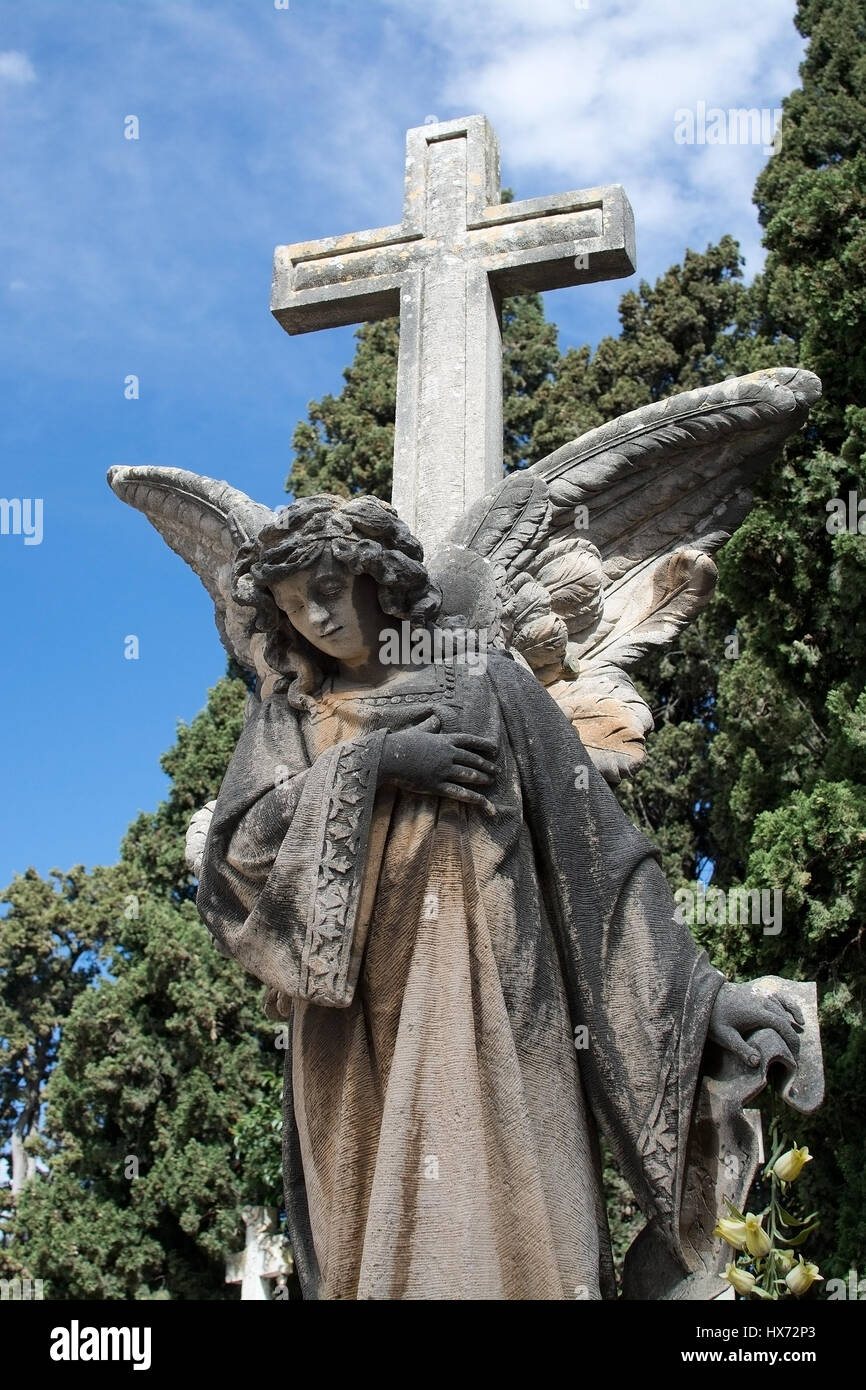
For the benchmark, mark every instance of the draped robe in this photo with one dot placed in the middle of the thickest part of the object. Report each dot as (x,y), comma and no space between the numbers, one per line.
(472,997)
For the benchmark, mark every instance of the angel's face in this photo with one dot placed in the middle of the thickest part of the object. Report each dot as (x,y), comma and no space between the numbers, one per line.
(337,611)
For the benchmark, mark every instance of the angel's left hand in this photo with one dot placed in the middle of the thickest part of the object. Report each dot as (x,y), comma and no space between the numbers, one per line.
(740,1010)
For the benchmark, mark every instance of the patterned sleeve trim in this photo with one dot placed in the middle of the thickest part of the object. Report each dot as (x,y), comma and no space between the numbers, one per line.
(663,1140)
(329,963)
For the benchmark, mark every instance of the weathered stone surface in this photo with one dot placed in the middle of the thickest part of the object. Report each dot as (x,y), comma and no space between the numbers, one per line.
(604,548)
(468,937)
(726,1149)
(444,269)
(264,1257)
(478,954)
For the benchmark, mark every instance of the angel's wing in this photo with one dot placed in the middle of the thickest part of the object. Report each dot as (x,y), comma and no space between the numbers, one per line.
(602,549)
(205,522)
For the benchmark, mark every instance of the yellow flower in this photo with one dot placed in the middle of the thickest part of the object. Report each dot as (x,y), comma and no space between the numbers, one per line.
(791,1164)
(802,1277)
(757,1241)
(740,1279)
(785,1260)
(734,1232)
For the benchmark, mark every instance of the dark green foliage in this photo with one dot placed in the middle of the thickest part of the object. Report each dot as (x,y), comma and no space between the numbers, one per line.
(196,764)
(162,1073)
(671,340)
(811,200)
(347,443)
(157,1067)
(787,766)
(51,941)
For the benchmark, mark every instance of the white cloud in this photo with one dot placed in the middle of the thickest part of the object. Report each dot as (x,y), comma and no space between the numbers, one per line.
(260,127)
(580,97)
(16,68)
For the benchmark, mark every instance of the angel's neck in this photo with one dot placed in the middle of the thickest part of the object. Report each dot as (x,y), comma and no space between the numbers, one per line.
(373,673)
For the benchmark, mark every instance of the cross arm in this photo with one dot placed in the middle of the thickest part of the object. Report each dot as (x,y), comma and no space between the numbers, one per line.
(339,280)
(533,245)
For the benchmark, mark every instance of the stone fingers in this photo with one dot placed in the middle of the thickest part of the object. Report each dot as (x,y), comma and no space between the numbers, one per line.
(476,743)
(730,1039)
(776,1016)
(458,793)
(466,759)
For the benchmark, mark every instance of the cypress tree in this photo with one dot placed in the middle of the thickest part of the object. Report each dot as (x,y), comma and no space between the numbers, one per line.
(147,1061)
(788,760)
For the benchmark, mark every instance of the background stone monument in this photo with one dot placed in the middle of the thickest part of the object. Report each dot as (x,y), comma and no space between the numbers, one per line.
(263,1258)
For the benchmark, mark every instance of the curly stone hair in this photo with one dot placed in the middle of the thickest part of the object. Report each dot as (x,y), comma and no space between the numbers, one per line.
(363,534)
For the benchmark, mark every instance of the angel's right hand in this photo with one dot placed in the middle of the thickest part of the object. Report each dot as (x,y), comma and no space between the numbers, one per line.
(425,760)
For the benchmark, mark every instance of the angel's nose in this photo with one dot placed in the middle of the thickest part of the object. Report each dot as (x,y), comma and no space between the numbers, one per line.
(318,616)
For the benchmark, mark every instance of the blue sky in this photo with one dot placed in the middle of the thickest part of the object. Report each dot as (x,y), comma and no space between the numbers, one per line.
(259,126)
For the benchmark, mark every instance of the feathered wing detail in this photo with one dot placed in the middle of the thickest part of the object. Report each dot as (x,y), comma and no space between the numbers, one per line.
(602,703)
(205,522)
(602,550)
(611,718)
(507,523)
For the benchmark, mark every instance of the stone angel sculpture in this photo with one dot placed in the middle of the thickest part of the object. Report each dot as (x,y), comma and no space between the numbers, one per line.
(422,860)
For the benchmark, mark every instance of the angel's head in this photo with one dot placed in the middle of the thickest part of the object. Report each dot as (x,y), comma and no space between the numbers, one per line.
(325,578)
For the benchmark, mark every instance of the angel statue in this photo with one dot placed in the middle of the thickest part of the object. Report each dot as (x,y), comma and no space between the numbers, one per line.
(419,855)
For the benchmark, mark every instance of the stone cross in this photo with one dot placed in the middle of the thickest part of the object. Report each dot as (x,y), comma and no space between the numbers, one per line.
(445,269)
(263,1256)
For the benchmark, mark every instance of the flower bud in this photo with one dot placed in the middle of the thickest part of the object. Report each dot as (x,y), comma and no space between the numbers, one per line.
(802,1277)
(734,1232)
(739,1279)
(757,1240)
(791,1164)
